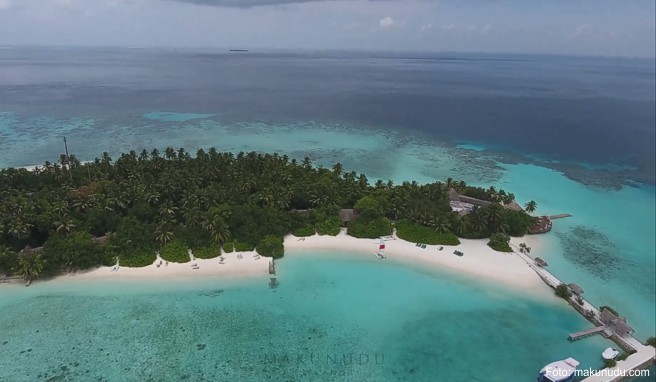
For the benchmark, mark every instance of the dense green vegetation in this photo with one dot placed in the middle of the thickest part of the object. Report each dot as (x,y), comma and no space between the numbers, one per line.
(499,242)
(563,291)
(173,201)
(417,233)
(651,341)
(271,246)
(174,251)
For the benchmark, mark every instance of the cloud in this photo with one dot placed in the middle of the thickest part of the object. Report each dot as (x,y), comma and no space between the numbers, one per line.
(386,23)
(583,29)
(426,27)
(5,4)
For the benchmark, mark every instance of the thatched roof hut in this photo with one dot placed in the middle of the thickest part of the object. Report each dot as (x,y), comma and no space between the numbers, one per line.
(540,262)
(620,327)
(453,195)
(607,316)
(474,201)
(513,206)
(347,214)
(99,240)
(575,289)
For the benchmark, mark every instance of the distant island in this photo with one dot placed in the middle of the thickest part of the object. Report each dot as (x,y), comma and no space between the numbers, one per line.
(239,50)
(68,215)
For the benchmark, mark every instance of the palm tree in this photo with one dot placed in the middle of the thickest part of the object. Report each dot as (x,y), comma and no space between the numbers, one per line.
(479,222)
(523,248)
(441,225)
(30,266)
(163,233)
(64,225)
(531,206)
(460,224)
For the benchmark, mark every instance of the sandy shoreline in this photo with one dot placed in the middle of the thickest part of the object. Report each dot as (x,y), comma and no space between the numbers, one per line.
(479,262)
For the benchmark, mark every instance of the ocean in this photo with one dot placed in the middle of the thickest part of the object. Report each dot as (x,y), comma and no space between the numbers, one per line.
(333,317)
(575,134)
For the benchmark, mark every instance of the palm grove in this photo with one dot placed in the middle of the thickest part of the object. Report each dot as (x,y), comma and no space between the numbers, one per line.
(172,201)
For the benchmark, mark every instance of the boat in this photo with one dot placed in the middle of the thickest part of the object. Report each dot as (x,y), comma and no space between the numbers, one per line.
(610,353)
(379,255)
(559,371)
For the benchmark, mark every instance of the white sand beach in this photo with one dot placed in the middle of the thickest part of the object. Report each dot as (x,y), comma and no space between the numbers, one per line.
(479,261)
(232,266)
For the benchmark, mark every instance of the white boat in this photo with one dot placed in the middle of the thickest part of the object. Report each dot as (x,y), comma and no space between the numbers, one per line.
(379,255)
(559,371)
(610,353)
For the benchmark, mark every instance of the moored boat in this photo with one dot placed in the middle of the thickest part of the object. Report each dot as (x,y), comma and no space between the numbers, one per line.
(559,371)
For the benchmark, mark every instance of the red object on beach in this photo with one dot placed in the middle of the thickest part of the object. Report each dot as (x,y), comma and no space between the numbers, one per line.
(382,246)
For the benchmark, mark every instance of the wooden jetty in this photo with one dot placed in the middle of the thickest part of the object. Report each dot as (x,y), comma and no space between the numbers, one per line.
(586,333)
(559,216)
(272,267)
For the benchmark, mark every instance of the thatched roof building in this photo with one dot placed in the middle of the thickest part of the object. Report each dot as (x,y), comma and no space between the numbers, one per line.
(575,289)
(514,206)
(616,325)
(347,214)
(607,316)
(99,240)
(453,195)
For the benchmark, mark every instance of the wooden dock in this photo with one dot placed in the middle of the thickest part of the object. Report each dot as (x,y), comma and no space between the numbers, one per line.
(272,267)
(559,216)
(586,333)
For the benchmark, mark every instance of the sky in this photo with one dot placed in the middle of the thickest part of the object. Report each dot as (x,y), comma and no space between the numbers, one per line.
(581,27)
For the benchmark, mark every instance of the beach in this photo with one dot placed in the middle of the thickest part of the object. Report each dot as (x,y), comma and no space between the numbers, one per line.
(479,262)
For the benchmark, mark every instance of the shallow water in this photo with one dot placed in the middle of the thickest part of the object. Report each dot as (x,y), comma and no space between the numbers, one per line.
(482,119)
(332,317)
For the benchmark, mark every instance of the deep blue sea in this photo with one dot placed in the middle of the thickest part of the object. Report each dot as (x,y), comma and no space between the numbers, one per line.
(576,134)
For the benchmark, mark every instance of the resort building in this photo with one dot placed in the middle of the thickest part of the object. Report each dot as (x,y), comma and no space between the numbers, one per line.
(614,324)
(465,204)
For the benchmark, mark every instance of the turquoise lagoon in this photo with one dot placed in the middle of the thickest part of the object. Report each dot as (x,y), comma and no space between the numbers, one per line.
(334,316)
(607,246)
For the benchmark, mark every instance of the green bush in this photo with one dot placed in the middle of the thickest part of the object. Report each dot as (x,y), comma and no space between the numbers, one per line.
(229,247)
(271,246)
(243,247)
(137,259)
(368,228)
(207,252)
(330,226)
(651,341)
(499,242)
(608,363)
(76,251)
(563,291)
(304,231)
(622,356)
(174,251)
(417,233)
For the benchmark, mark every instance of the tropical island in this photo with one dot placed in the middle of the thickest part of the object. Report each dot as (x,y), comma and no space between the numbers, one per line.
(69,216)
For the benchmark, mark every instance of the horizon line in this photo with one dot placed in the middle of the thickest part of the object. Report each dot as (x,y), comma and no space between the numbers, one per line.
(253,49)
